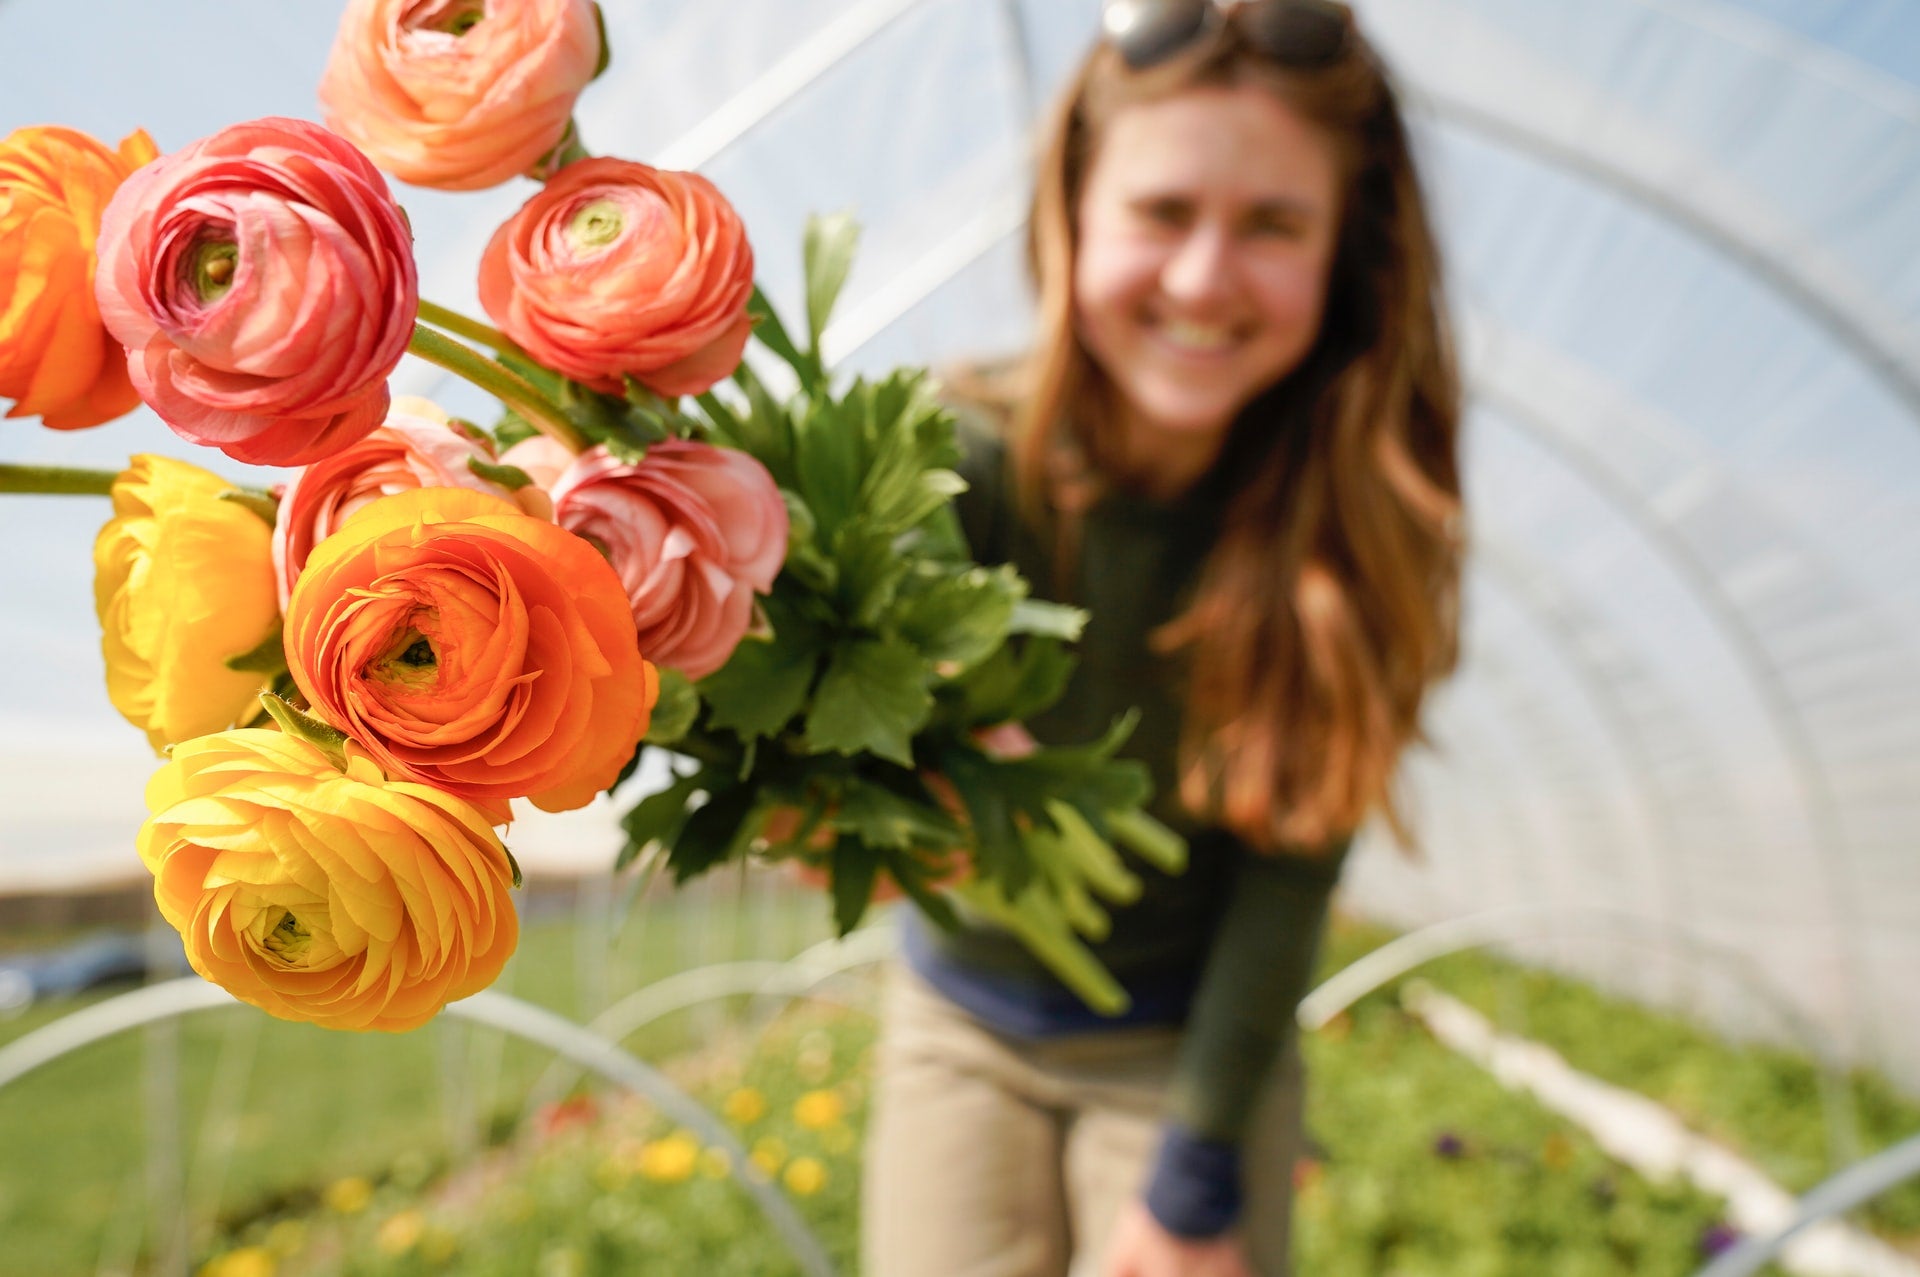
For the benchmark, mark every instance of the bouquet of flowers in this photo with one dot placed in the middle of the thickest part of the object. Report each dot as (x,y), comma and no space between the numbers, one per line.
(352,675)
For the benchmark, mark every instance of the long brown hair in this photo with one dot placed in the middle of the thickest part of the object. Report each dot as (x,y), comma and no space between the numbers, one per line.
(1330,602)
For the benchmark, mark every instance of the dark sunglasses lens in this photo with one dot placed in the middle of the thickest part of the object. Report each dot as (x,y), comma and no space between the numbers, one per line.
(1149,31)
(1302,33)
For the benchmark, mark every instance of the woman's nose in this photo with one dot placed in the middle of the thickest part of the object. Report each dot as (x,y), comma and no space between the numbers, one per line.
(1201,267)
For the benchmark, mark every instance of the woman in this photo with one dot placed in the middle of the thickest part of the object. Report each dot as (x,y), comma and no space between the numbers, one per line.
(1235,443)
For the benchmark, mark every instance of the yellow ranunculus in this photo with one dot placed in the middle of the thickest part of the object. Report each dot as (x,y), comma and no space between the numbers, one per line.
(337,897)
(182,581)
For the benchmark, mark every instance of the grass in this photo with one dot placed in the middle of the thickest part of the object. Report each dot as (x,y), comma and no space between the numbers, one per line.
(341,1146)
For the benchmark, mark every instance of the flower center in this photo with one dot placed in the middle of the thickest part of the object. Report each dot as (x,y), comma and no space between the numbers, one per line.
(448,17)
(287,939)
(214,263)
(411,659)
(595,226)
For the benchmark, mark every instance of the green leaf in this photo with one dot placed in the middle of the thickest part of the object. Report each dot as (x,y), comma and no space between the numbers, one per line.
(960,618)
(674,713)
(914,879)
(830,465)
(762,685)
(872,699)
(512,478)
(882,818)
(262,503)
(1054,620)
(870,571)
(511,429)
(773,335)
(827,251)
(809,565)
(269,657)
(605,59)
(513,865)
(853,868)
(719,831)
(1016,682)
(658,817)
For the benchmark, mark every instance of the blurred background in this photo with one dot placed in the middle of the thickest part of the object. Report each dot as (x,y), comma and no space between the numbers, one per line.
(1672,799)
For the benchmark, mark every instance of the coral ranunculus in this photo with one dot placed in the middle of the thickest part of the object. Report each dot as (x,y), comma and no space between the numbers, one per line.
(333,896)
(473,647)
(262,280)
(419,446)
(182,581)
(57,360)
(619,270)
(694,532)
(457,94)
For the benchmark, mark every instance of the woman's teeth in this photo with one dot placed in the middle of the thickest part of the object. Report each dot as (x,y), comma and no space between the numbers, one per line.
(1197,336)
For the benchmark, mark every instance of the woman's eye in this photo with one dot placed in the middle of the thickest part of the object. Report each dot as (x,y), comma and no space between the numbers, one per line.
(1167,214)
(1275,224)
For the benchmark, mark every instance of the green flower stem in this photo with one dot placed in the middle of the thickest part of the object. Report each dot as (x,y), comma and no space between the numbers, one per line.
(463,326)
(506,385)
(57,480)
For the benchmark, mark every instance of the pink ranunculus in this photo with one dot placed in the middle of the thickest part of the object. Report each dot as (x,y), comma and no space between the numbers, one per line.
(262,281)
(619,270)
(458,94)
(418,446)
(693,531)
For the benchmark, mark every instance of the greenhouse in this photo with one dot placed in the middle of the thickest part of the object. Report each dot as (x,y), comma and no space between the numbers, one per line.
(1647,985)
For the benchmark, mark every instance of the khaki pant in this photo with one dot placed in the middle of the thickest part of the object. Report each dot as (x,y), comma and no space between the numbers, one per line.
(991,1156)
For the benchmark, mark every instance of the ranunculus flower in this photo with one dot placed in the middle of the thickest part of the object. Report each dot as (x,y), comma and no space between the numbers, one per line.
(473,647)
(419,446)
(693,530)
(458,94)
(182,581)
(262,281)
(619,270)
(333,896)
(57,360)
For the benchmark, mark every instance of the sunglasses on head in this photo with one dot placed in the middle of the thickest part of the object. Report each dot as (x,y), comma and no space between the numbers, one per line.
(1294,33)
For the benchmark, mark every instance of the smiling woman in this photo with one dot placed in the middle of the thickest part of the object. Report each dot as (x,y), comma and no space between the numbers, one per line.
(1234,443)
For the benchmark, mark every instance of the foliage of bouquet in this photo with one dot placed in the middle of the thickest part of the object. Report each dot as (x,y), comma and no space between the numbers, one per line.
(352,675)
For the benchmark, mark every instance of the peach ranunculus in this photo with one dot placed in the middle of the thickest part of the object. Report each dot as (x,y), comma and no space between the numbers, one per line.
(459,94)
(183,581)
(693,530)
(262,280)
(472,647)
(619,270)
(57,360)
(320,890)
(419,446)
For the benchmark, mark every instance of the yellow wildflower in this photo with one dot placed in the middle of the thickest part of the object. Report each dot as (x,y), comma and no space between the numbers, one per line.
(400,1232)
(769,1154)
(805,1176)
(819,1109)
(671,1159)
(744,1106)
(348,1196)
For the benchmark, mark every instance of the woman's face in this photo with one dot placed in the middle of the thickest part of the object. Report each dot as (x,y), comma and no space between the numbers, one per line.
(1206,234)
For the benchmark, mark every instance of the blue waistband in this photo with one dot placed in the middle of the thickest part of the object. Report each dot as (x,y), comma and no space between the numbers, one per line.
(1024,1007)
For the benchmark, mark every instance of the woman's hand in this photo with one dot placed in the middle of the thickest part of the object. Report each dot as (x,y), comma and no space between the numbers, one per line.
(1140,1247)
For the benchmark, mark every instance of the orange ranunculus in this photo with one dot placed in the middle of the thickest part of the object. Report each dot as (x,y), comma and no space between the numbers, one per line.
(620,270)
(57,360)
(473,647)
(325,892)
(455,94)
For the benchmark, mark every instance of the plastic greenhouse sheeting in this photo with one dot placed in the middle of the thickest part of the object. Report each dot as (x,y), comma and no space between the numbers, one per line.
(1684,244)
